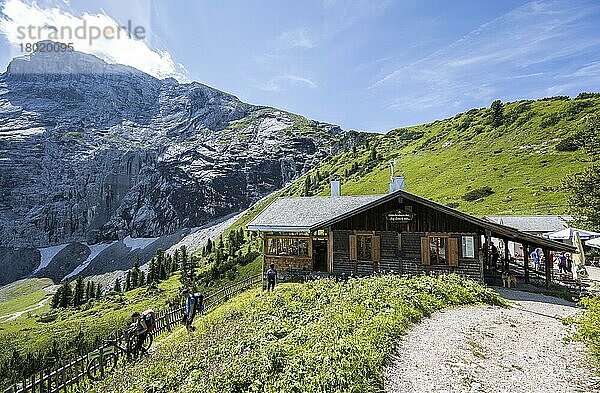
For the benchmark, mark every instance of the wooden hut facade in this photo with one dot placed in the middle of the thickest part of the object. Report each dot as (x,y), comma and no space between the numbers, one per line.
(398,232)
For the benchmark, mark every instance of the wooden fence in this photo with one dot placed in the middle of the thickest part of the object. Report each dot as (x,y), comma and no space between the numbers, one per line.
(70,376)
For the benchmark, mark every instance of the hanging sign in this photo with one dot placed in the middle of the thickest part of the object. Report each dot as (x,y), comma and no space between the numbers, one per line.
(399,217)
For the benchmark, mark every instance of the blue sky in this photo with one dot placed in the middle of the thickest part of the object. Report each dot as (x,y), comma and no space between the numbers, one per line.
(366,65)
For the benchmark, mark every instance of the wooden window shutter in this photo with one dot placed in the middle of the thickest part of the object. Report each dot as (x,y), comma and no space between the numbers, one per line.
(425,259)
(453,252)
(376,248)
(353,250)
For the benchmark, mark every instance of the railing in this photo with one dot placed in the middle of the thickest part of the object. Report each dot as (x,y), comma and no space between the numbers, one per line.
(68,376)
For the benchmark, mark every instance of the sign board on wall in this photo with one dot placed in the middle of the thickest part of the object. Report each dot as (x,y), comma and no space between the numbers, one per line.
(399,217)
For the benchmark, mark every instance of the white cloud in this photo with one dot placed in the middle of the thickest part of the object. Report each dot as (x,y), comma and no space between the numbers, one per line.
(299,38)
(17,15)
(277,83)
(520,53)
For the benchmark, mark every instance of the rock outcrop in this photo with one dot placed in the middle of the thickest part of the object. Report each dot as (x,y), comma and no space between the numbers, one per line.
(92,152)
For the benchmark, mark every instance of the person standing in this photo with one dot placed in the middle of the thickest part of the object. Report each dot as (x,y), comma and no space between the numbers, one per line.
(271,277)
(190,309)
(535,258)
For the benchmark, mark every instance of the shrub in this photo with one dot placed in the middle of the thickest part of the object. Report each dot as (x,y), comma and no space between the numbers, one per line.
(584,95)
(478,193)
(569,143)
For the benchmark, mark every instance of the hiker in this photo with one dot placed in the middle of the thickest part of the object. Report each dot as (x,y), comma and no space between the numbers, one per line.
(495,256)
(569,263)
(194,303)
(535,257)
(271,276)
(144,324)
(562,263)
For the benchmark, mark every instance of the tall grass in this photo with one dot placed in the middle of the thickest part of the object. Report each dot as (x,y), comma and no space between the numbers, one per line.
(322,336)
(588,326)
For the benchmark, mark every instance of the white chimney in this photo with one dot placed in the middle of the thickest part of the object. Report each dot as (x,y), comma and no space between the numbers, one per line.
(396,182)
(336,188)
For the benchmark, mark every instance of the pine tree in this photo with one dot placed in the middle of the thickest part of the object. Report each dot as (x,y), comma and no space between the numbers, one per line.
(98,291)
(354,150)
(56,298)
(136,274)
(142,279)
(176,265)
(162,271)
(373,155)
(66,294)
(88,291)
(168,265)
(152,271)
(209,246)
(307,185)
(497,113)
(128,286)
(117,287)
(160,265)
(79,294)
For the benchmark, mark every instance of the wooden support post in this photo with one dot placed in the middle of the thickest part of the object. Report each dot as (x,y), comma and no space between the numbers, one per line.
(506,256)
(548,266)
(526,262)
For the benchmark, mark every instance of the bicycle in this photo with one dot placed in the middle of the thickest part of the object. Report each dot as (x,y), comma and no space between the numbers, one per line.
(104,359)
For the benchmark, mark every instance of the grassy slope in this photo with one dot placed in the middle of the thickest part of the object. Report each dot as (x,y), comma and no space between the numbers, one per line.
(519,159)
(322,336)
(22,295)
(36,331)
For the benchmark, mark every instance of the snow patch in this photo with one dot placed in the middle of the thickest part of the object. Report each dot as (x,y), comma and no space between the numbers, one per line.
(138,243)
(95,249)
(47,254)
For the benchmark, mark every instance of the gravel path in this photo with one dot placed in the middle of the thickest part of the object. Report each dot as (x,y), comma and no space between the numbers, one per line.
(492,349)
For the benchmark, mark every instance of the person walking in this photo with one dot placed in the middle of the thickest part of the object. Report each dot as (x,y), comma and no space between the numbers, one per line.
(271,277)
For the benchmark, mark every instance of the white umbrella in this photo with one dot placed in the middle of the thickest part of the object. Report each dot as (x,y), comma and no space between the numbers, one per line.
(579,258)
(569,233)
(593,243)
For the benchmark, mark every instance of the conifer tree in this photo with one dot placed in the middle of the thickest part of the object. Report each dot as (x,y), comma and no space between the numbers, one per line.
(66,294)
(128,286)
(88,291)
(98,291)
(117,287)
(152,271)
(79,294)
(56,298)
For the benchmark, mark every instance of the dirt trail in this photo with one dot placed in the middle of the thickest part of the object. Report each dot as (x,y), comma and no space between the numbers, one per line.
(493,349)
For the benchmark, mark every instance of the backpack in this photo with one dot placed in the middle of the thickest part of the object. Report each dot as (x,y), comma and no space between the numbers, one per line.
(271,274)
(198,302)
(149,317)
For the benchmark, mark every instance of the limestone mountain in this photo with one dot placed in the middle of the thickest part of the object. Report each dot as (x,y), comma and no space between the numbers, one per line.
(91,151)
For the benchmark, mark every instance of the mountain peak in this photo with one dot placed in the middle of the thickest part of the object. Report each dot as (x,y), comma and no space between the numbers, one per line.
(52,58)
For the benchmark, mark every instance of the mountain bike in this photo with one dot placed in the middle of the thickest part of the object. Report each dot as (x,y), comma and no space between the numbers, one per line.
(104,359)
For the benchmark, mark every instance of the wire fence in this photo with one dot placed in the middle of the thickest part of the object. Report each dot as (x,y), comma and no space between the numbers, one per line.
(69,376)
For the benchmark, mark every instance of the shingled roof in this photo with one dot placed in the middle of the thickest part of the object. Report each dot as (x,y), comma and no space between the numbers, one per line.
(536,224)
(303,214)
(306,214)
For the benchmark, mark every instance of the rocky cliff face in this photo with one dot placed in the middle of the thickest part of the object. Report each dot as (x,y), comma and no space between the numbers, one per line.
(92,152)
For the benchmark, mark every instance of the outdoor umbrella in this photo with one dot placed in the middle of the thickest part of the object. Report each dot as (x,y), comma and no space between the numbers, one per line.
(569,233)
(579,271)
(593,243)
